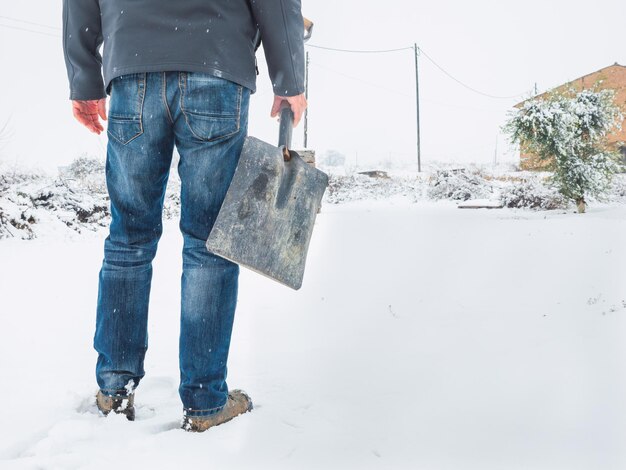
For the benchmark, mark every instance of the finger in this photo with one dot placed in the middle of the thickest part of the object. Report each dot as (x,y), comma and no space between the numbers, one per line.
(102,108)
(87,113)
(95,123)
(80,117)
(81,111)
(97,127)
(88,124)
(94,117)
(297,114)
(298,105)
(276,106)
(87,120)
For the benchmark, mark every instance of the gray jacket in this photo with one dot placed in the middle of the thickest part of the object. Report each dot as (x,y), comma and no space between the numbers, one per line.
(212,36)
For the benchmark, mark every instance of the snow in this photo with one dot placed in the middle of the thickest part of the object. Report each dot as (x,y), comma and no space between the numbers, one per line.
(424,337)
(75,201)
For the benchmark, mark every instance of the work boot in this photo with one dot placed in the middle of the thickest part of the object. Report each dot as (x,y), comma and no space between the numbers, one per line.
(238,403)
(118,405)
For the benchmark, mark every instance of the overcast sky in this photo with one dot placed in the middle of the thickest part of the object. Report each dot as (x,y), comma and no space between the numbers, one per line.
(362,105)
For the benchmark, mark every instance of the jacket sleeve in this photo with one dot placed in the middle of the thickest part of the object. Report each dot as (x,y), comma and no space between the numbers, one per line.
(282,29)
(82,36)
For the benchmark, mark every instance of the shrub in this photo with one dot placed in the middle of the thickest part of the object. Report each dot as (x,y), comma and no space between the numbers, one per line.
(570,131)
(532,194)
(458,184)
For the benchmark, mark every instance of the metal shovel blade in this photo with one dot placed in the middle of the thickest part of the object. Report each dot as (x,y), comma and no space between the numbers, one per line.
(267,217)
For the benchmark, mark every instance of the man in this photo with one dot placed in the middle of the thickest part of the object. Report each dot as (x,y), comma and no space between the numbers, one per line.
(178,73)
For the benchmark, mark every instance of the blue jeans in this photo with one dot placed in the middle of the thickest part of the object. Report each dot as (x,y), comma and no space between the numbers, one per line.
(206,118)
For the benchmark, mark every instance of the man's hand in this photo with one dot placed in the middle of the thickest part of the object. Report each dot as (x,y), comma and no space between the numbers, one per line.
(297,103)
(87,113)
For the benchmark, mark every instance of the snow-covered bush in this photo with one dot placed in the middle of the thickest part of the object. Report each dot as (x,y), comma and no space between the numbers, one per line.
(171,204)
(28,199)
(359,187)
(570,130)
(16,215)
(531,193)
(85,166)
(458,184)
(86,172)
(618,187)
(15,225)
(77,207)
(77,199)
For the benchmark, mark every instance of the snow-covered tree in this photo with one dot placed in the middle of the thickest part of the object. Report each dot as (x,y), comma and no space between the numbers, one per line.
(570,131)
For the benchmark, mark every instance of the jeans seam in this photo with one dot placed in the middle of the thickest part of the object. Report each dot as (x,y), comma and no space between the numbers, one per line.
(240,92)
(142,94)
(141,98)
(167,108)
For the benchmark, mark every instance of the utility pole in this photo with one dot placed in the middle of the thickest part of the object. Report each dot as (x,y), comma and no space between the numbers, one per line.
(417,98)
(306,95)
(495,155)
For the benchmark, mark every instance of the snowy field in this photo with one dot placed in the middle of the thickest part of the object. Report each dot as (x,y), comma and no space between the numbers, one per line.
(424,337)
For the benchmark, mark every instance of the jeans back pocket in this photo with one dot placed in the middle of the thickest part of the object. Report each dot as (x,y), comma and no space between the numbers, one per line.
(126,106)
(211,105)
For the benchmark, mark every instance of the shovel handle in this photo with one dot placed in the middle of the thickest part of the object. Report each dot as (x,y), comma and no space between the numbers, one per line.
(286,125)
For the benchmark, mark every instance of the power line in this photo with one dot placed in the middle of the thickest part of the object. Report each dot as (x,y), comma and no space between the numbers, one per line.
(390,90)
(30,22)
(465,85)
(30,30)
(381,51)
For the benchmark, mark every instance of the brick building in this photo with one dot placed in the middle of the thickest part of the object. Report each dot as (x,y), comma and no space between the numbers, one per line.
(611,77)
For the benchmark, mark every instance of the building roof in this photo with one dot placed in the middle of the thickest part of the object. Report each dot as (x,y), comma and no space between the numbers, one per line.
(573,81)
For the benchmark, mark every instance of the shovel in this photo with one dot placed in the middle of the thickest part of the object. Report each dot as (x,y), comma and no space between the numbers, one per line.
(267,217)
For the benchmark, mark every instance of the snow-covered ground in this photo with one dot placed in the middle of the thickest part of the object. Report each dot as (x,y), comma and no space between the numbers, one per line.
(34,203)
(424,337)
